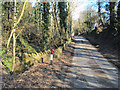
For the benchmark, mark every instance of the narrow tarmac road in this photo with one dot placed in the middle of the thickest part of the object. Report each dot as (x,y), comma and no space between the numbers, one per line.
(90,69)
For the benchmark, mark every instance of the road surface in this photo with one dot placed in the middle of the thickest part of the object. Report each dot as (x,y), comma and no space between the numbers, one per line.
(90,69)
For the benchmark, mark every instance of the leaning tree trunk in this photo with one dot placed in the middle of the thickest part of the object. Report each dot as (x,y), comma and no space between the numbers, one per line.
(13,32)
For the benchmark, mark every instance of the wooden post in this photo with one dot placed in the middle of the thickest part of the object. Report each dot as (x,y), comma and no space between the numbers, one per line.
(51,57)
(42,60)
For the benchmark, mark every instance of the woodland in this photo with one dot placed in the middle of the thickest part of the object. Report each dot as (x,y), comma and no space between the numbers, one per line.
(30,32)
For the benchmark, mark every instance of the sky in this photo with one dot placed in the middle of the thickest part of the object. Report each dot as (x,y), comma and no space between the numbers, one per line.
(79,6)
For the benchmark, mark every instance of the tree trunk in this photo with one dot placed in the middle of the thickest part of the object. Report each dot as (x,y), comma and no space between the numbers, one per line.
(118,18)
(15,24)
(14,40)
(99,13)
(13,32)
(112,16)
